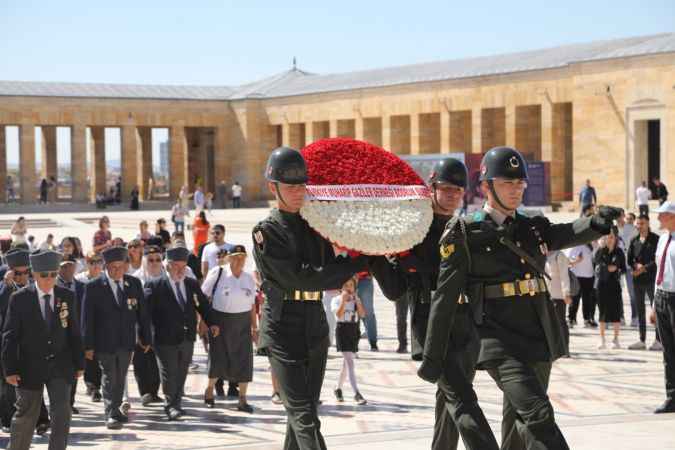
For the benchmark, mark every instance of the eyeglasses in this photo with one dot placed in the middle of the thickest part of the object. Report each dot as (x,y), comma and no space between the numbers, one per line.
(154,260)
(20,273)
(48,274)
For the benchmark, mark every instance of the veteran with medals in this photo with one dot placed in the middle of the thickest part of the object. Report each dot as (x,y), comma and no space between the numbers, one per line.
(41,347)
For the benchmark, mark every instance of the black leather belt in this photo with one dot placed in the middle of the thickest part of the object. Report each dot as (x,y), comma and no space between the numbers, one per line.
(517,288)
(304,296)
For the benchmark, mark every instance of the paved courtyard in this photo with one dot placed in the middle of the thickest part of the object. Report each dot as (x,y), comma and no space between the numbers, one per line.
(603,399)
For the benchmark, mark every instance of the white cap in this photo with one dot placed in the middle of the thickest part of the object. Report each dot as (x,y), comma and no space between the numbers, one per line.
(667,207)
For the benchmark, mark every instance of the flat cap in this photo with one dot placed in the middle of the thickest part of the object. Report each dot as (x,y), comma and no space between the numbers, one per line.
(114,254)
(177,254)
(47,261)
(17,258)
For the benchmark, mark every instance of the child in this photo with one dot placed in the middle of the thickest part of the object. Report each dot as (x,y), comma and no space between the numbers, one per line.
(610,263)
(348,309)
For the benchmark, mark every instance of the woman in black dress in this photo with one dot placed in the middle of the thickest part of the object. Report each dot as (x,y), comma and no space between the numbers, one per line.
(610,264)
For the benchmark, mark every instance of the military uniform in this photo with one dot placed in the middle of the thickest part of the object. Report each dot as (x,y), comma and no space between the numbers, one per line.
(296,264)
(495,261)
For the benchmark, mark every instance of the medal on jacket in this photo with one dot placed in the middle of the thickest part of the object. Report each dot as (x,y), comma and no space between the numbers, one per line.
(132,303)
(195,299)
(126,284)
(543,248)
(63,313)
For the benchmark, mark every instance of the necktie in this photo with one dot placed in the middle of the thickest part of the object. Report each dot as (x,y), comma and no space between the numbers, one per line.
(508,221)
(179,293)
(120,293)
(49,312)
(662,266)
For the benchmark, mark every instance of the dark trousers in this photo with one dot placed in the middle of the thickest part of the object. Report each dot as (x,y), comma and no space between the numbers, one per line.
(561,312)
(457,410)
(419,319)
(28,403)
(236,202)
(7,400)
(586,293)
(92,373)
(300,382)
(73,391)
(402,320)
(114,367)
(173,362)
(644,209)
(146,371)
(528,419)
(664,304)
(642,290)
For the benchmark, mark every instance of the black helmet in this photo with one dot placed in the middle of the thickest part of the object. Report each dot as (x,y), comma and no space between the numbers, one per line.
(286,165)
(503,162)
(449,170)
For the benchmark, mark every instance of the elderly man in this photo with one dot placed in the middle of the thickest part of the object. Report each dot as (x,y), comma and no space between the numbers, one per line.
(113,307)
(41,347)
(174,301)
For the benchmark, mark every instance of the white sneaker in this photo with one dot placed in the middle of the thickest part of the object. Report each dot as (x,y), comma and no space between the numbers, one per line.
(602,346)
(639,345)
(656,346)
(615,344)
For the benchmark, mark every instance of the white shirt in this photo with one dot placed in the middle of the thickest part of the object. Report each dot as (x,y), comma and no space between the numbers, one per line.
(669,263)
(210,253)
(626,233)
(181,285)
(232,295)
(113,285)
(199,199)
(557,266)
(350,313)
(584,268)
(642,194)
(236,190)
(41,295)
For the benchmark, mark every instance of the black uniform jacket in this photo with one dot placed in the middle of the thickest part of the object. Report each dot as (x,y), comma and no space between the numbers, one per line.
(291,256)
(172,324)
(645,254)
(524,327)
(30,350)
(109,327)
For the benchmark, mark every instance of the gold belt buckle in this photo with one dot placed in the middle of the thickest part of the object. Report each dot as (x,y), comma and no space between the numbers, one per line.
(306,295)
(509,289)
(527,287)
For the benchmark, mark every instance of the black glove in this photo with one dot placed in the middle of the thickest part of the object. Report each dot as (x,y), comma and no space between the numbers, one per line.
(430,370)
(604,219)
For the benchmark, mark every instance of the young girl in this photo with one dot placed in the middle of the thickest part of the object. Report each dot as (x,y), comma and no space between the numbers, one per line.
(610,263)
(348,309)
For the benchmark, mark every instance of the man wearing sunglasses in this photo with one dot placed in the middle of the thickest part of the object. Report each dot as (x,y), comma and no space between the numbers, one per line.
(41,347)
(210,253)
(113,309)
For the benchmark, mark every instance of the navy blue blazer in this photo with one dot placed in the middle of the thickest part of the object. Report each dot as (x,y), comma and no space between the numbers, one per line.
(171,325)
(30,350)
(108,327)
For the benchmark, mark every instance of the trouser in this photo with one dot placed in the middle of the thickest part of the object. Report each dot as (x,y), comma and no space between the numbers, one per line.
(664,304)
(402,320)
(114,368)
(631,294)
(528,420)
(365,293)
(419,318)
(642,290)
(585,293)
(457,410)
(300,383)
(174,362)
(179,227)
(7,401)
(28,403)
(73,391)
(146,371)
(561,310)
(236,202)
(92,373)
(644,209)
(330,318)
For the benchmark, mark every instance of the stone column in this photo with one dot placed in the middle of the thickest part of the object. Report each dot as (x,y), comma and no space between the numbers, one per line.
(145,160)
(358,128)
(49,167)
(510,125)
(286,134)
(27,177)
(222,163)
(3,164)
(386,132)
(546,131)
(445,131)
(97,163)
(476,130)
(309,133)
(414,134)
(332,128)
(177,160)
(78,163)
(130,150)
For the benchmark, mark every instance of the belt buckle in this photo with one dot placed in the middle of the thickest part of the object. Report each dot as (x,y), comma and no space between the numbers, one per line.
(509,289)
(527,287)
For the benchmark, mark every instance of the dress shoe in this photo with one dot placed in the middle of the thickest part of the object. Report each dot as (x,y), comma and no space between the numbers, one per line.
(41,428)
(113,424)
(417,357)
(209,401)
(402,349)
(667,407)
(146,399)
(232,391)
(338,395)
(373,346)
(173,414)
(359,399)
(245,407)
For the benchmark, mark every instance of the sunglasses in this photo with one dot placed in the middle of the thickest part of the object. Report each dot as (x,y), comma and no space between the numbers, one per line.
(154,260)
(20,273)
(95,262)
(48,274)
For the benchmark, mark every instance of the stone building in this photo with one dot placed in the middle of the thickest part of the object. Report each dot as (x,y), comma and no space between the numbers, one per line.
(601,110)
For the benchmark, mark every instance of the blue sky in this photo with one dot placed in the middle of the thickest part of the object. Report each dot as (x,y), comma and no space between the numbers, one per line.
(228,43)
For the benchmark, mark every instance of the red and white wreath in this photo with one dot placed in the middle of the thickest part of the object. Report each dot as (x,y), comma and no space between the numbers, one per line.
(364,198)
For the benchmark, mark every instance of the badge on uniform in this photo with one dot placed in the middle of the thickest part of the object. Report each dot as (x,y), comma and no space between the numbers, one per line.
(63,313)
(126,284)
(447,250)
(132,303)
(195,299)
(258,237)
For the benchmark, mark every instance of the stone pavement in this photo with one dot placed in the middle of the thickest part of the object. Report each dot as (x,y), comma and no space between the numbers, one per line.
(602,399)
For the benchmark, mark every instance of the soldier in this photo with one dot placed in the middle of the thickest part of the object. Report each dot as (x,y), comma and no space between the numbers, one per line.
(174,301)
(457,410)
(296,265)
(112,308)
(41,347)
(496,259)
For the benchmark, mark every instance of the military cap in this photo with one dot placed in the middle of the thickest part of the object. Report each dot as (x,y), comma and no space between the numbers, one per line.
(17,258)
(152,249)
(503,162)
(47,261)
(449,170)
(155,240)
(286,165)
(114,254)
(177,254)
